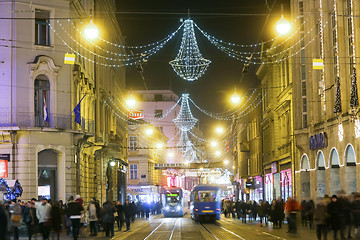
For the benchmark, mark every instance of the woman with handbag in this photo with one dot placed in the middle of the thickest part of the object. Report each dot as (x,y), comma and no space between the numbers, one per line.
(16,217)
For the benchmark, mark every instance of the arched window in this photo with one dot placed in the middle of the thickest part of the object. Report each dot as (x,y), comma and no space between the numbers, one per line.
(42,101)
(305,164)
(334,158)
(350,156)
(320,161)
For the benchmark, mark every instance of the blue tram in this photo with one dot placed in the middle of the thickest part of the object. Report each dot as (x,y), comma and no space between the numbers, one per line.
(205,202)
(174,201)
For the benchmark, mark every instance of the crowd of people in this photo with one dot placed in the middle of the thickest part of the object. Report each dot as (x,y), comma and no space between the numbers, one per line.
(45,217)
(337,214)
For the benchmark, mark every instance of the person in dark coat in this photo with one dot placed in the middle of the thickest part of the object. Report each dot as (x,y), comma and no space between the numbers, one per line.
(238,208)
(321,219)
(108,218)
(261,212)
(3,224)
(303,213)
(134,210)
(279,212)
(335,209)
(310,211)
(73,210)
(120,212)
(355,207)
(127,213)
(56,218)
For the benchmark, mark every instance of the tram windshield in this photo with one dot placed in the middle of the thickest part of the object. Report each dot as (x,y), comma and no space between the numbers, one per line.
(172,197)
(206,196)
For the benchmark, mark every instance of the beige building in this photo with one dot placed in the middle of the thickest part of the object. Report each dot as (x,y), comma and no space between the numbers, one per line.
(50,154)
(147,147)
(326,141)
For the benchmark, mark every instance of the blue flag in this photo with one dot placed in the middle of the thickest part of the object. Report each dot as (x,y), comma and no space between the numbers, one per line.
(77,113)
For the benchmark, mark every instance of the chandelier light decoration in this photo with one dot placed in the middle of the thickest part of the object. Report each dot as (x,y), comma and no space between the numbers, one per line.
(185,121)
(184,138)
(189,64)
(190,153)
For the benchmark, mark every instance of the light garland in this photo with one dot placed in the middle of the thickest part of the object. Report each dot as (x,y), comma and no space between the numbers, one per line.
(185,121)
(189,64)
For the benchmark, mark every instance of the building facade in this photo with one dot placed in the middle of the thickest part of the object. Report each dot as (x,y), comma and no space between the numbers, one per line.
(53,154)
(326,119)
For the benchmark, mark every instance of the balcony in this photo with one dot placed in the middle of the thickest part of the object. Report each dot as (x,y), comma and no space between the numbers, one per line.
(57,121)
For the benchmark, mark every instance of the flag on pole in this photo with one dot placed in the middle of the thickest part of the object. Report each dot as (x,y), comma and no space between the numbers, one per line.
(46,115)
(77,112)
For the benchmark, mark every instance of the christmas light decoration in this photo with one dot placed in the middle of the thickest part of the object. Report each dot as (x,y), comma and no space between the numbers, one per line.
(184,138)
(190,153)
(341,132)
(189,64)
(185,121)
(357,128)
(354,100)
(337,106)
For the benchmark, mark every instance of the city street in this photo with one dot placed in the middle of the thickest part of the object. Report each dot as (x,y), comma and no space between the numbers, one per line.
(158,227)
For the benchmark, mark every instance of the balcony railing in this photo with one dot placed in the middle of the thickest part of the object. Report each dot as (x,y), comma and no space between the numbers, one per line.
(57,121)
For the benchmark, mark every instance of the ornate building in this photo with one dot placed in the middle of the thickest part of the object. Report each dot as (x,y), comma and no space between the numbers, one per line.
(51,153)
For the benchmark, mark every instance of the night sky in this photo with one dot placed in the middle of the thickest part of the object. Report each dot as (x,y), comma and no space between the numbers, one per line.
(222,19)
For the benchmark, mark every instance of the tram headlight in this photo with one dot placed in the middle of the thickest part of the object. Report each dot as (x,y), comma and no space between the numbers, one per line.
(167,208)
(178,208)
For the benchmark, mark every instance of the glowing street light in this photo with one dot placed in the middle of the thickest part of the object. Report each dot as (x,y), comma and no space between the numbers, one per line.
(283,26)
(159,145)
(218,153)
(112,163)
(91,31)
(149,131)
(226,162)
(213,143)
(219,130)
(235,99)
(131,102)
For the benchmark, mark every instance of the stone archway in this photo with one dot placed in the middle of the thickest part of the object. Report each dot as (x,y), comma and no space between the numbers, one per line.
(305,177)
(48,174)
(334,172)
(320,172)
(350,169)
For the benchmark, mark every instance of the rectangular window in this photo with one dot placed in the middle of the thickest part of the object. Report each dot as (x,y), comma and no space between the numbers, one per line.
(42,28)
(158,113)
(303,72)
(305,120)
(133,171)
(133,143)
(304,105)
(158,97)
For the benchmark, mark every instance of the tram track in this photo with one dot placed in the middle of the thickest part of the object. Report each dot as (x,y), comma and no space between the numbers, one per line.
(221,227)
(162,223)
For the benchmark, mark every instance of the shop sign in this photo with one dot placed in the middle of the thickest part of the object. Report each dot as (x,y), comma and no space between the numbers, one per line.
(317,141)
(5,157)
(135,115)
(273,167)
(3,169)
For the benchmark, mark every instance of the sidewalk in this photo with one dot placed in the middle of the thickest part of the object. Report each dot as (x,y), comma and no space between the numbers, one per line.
(139,223)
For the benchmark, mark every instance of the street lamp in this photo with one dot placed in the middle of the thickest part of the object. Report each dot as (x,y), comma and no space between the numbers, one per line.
(217,153)
(112,163)
(149,131)
(226,162)
(159,145)
(235,99)
(219,130)
(91,31)
(131,102)
(213,143)
(283,26)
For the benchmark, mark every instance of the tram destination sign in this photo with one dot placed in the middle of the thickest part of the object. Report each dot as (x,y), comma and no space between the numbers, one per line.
(318,141)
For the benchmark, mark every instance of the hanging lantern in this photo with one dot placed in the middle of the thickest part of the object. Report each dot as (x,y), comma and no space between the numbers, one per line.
(189,64)
(337,106)
(354,100)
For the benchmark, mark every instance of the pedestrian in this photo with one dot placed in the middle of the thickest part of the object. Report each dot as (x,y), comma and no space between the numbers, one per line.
(303,213)
(16,217)
(321,219)
(93,218)
(134,210)
(109,218)
(279,212)
(238,208)
(74,210)
(3,223)
(43,213)
(127,214)
(310,211)
(243,211)
(261,212)
(56,219)
(335,209)
(29,216)
(355,207)
(120,215)
(291,207)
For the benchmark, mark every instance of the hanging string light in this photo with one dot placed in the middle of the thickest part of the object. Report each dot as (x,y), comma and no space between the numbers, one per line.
(354,100)
(337,106)
(190,153)
(189,64)
(184,138)
(185,121)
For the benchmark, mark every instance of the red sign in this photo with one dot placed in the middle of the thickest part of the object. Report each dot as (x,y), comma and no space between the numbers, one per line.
(136,115)
(3,169)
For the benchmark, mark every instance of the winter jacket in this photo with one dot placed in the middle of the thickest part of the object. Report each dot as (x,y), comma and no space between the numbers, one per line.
(321,214)
(43,212)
